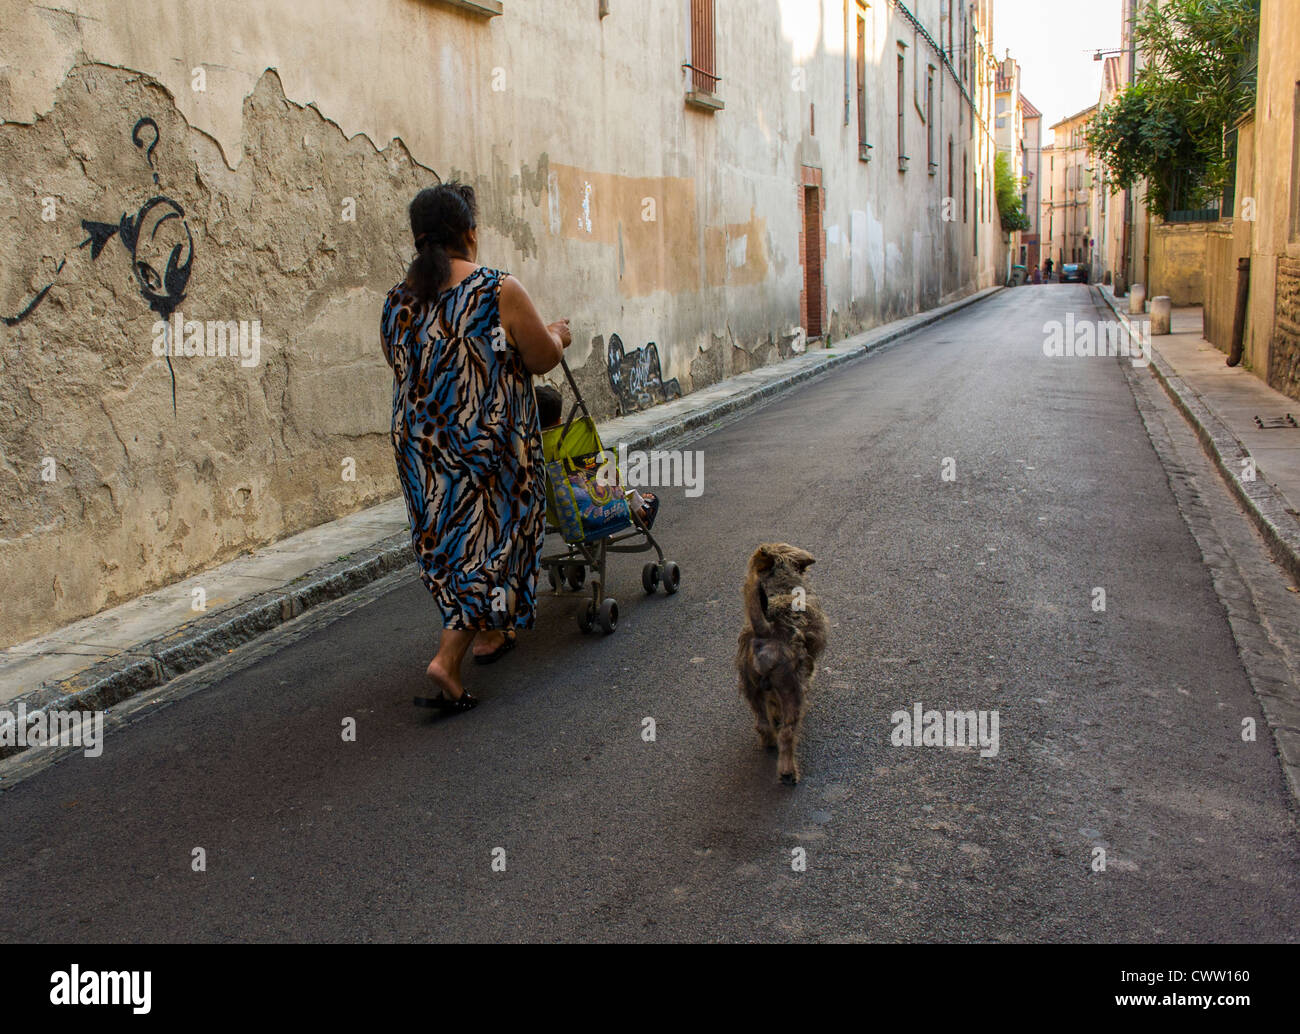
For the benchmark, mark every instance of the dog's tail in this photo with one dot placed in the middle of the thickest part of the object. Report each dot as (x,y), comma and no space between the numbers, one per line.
(756,609)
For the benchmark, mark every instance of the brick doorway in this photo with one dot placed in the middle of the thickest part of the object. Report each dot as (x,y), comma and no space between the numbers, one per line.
(812,249)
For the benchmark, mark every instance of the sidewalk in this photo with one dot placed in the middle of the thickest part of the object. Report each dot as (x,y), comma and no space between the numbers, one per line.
(1222,402)
(102,660)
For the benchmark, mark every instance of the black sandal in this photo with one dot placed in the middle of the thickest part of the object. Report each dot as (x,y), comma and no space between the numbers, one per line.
(506,646)
(446,705)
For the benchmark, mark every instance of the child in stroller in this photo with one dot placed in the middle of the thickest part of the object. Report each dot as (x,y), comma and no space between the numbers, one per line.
(550,412)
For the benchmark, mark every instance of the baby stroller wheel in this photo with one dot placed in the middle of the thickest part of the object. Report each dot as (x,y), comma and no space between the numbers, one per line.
(576,576)
(608,615)
(650,578)
(586,616)
(672,576)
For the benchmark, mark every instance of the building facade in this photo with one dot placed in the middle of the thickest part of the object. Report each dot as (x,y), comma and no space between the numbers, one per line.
(1031,249)
(1010,136)
(697,184)
(1264,224)
(1070,203)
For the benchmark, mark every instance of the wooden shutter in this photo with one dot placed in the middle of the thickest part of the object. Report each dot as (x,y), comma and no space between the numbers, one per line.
(704,50)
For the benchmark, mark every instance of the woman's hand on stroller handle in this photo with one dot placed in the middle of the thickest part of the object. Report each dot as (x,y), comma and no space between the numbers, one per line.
(560,328)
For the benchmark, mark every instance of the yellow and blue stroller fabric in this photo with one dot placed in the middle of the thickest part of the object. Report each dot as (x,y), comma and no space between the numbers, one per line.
(582,503)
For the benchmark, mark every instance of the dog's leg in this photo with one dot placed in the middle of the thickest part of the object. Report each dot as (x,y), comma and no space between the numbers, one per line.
(787,766)
(773,703)
(762,718)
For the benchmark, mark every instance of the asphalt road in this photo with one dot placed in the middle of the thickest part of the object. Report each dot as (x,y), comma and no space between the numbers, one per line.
(1118,729)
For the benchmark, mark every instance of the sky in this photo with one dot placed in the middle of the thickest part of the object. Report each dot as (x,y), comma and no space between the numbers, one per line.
(1054,41)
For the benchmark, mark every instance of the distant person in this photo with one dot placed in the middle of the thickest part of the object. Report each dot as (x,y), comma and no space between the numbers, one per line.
(1047,267)
(464,342)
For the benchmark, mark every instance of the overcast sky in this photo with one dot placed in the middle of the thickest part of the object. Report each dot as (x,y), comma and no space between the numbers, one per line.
(1054,41)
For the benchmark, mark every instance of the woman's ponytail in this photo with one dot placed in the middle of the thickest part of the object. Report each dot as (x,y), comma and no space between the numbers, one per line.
(441,217)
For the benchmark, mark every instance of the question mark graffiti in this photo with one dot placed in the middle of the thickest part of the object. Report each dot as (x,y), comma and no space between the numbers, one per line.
(157,239)
(135,138)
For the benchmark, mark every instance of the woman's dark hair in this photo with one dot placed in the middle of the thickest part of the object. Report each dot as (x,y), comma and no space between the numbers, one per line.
(441,216)
(550,406)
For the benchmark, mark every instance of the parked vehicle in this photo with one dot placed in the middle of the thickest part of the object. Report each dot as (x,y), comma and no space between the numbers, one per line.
(1073,273)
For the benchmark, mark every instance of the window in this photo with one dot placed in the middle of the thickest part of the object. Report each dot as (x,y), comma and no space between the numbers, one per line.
(864,148)
(965,192)
(704,56)
(902,112)
(950,193)
(929,121)
(962,62)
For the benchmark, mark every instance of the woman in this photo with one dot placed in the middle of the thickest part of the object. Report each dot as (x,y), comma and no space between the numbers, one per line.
(464,341)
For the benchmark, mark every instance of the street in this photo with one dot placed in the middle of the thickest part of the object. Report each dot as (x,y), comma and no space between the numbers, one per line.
(1119,729)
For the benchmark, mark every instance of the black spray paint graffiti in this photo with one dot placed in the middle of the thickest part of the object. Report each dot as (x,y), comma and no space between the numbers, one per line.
(636,378)
(157,239)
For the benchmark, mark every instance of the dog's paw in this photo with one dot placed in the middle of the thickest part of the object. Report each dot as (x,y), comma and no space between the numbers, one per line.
(790,778)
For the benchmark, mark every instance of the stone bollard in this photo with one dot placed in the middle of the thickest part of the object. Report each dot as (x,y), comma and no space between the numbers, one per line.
(1162,315)
(1137,300)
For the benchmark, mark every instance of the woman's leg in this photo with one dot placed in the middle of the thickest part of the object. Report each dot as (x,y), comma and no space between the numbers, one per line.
(444,669)
(488,642)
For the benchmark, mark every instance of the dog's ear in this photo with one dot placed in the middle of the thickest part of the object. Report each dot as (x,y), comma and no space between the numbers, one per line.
(762,560)
(802,560)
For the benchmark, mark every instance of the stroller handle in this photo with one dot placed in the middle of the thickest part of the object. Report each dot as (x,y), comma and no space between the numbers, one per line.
(579,402)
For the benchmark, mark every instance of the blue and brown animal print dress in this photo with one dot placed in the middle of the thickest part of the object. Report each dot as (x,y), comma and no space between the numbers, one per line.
(469,452)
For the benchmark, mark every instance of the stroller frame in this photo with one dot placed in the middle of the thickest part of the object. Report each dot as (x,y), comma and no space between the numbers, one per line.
(570,568)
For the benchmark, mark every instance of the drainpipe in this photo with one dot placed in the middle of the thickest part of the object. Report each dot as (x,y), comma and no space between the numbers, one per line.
(1239,317)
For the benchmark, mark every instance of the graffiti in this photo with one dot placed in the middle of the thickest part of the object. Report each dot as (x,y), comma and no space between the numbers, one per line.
(157,240)
(636,378)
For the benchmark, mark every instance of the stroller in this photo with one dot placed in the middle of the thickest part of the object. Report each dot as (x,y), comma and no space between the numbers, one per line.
(587,507)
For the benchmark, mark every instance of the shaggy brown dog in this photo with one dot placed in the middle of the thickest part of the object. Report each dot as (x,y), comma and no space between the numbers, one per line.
(778,650)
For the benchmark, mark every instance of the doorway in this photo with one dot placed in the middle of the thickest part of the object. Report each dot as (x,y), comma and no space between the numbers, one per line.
(814,290)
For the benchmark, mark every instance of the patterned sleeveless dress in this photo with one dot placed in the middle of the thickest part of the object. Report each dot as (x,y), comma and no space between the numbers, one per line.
(469,452)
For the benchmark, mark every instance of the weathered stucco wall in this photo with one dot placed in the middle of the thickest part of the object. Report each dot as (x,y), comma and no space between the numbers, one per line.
(1221,253)
(107,490)
(1178,262)
(286,142)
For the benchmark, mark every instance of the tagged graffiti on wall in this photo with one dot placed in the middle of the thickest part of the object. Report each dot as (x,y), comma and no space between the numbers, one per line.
(157,240)
(636,377)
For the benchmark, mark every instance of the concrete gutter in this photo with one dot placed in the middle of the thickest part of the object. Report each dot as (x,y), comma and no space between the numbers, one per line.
(156,661)
(1264,504)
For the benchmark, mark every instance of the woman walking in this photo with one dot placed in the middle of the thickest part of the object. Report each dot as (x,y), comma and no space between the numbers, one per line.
(464,342)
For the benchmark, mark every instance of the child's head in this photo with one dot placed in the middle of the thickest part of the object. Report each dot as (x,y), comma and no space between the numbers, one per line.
(550,406)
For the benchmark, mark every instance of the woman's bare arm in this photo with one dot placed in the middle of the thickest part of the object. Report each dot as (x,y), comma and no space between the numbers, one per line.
(541,346)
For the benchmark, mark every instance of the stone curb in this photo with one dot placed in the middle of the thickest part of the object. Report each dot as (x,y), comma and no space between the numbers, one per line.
(1264,504)
(158,661)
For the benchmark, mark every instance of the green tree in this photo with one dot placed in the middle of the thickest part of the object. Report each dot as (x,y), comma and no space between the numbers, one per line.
(1168,127)
(1007,189)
